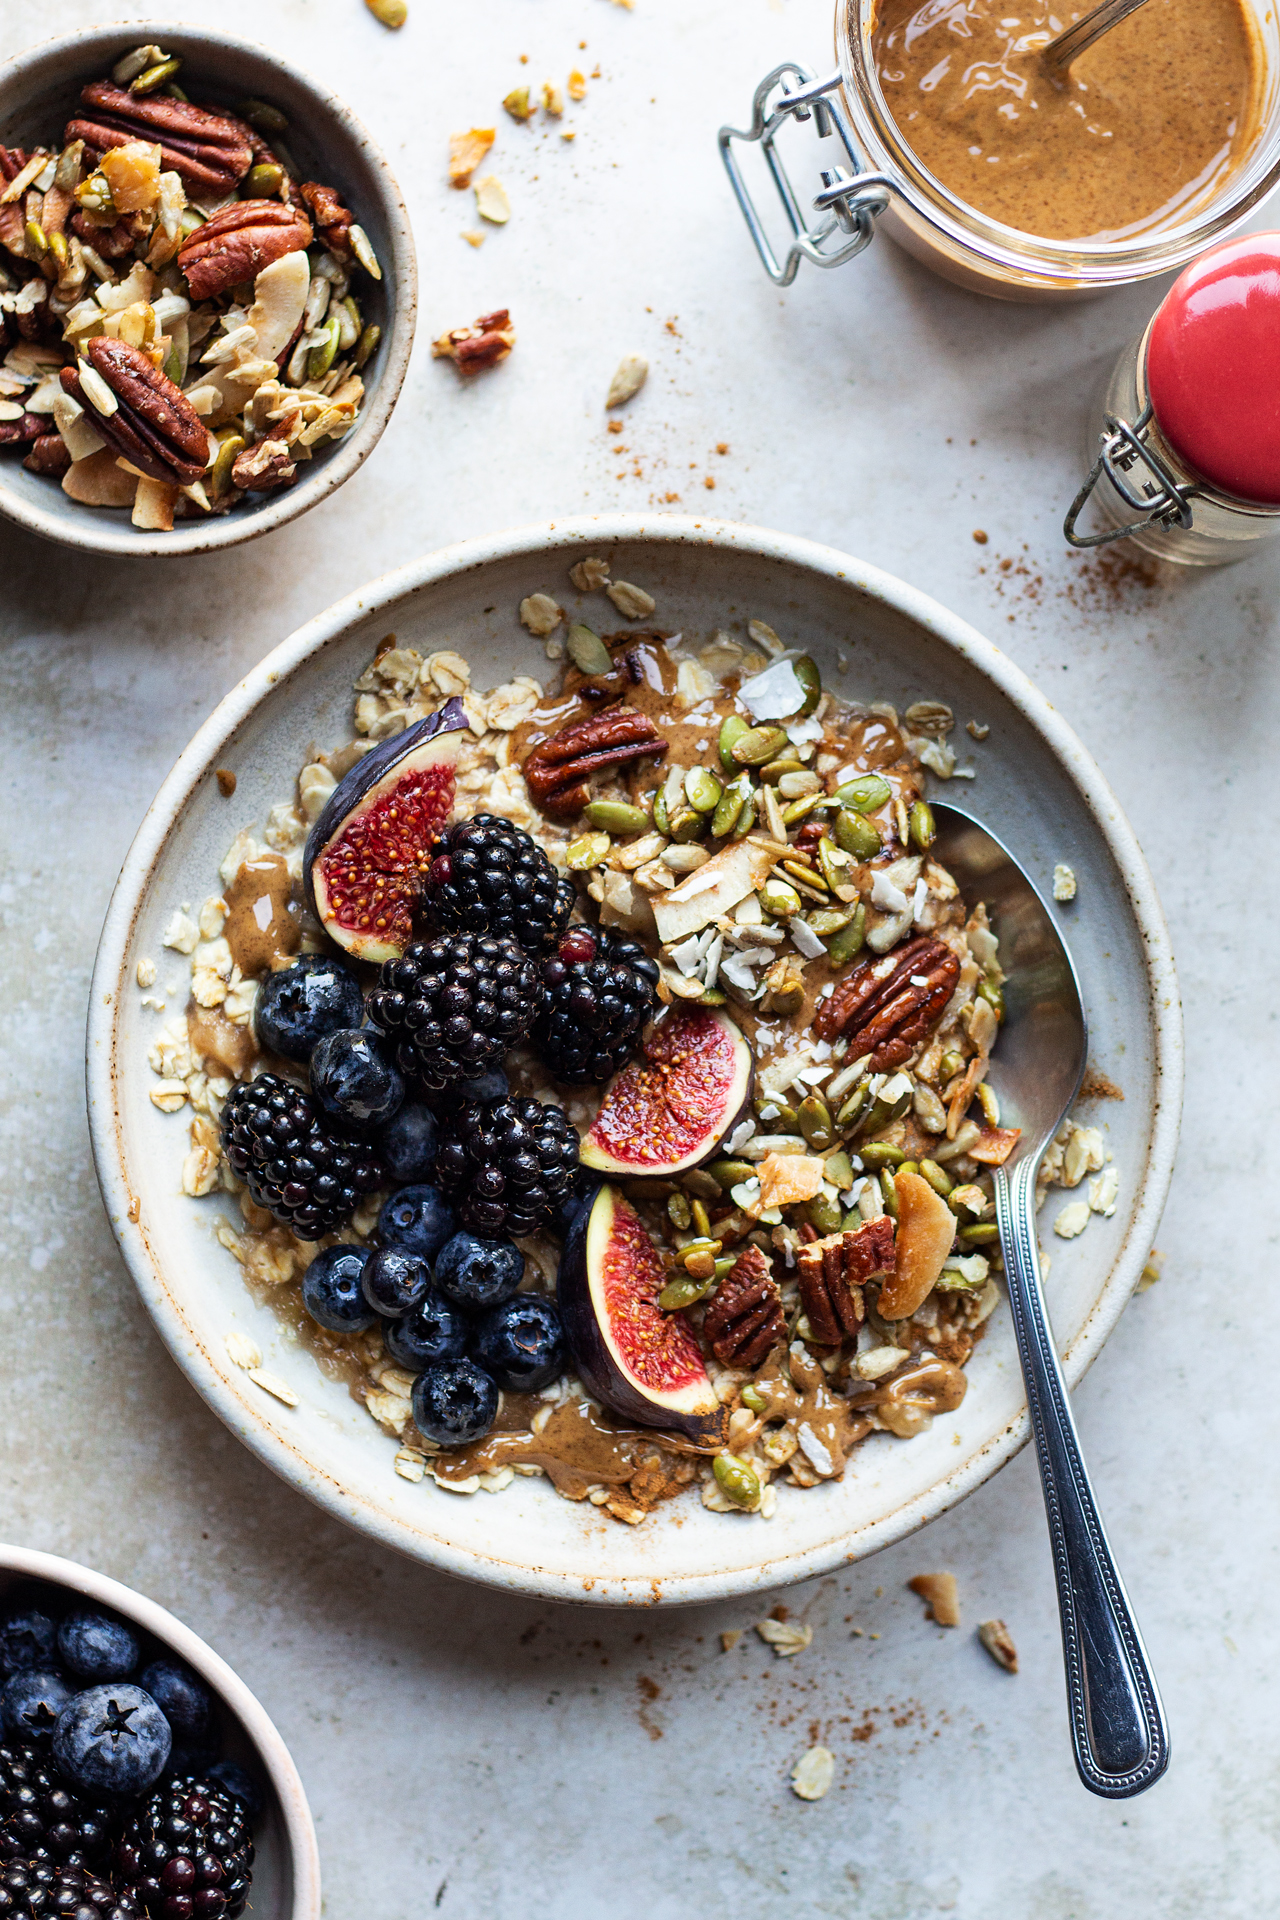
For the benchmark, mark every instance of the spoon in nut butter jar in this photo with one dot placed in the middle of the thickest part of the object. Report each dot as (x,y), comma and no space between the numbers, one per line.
(1117,1721)
(1077,39)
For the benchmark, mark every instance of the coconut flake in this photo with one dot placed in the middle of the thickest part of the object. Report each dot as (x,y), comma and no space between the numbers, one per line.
(805,939)
(886,896)
(773,694)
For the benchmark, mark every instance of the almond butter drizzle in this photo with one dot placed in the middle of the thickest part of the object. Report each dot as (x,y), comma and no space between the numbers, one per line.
(908,1400)
(578,1448)
(260,931)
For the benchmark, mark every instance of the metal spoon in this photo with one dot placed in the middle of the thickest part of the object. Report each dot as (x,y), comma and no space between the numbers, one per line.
(1073,41)
(1117,1722)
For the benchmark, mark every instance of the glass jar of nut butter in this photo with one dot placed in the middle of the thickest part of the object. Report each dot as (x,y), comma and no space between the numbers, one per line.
(1188,438)
(944,125)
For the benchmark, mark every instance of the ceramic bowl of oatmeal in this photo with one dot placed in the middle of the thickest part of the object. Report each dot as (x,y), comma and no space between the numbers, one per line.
(207,290)
(539,1073)
(286,1863)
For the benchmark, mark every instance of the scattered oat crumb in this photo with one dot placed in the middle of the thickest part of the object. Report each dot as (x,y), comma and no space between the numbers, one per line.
(1152,1271)
(134,1209)
(630,375)
(466,151)
(146,973)
(722,446)
(730,1638)
(980,536)
(181,933)
(1064,881)
(633,603)
(589,575)
(410,1464)
(518,103)
(552,99)
(540,614)
(472,238)
(615,426)
(568,134)
(998,1642)
(978,728)
(709,484)
(785,1639)
(1103,1192)
(813,1773)
(276,1387)
(859,1633)
(242,1351)
(1071,1221)
(169,1095)
(938,1591)
(492,203)
(226,782)
(554,649)
(577,84)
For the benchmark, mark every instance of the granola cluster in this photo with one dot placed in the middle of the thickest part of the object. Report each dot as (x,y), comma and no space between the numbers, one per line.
(180,313)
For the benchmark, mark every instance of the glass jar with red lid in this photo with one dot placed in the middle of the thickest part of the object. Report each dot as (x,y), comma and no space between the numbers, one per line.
(1188,461)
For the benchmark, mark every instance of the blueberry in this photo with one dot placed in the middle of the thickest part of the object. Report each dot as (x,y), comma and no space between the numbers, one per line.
(395,1280)
(521,1343)
(297,1007)
(182,1697)
(432,1331)
(112,1739)
(407,1144)
(332,1292)
(27,1639)
(239,1784)
(353,1079)
(493,1085)
(479,1273)
(454,1402)
(31,1702)
(97,1646)
(419,1218)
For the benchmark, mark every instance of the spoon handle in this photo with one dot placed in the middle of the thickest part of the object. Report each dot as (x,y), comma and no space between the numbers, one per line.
(1075,40)
(1117,1722)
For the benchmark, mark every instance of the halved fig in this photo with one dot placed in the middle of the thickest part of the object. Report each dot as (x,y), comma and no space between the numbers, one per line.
(670,1108)
(644,1364)
(372,844)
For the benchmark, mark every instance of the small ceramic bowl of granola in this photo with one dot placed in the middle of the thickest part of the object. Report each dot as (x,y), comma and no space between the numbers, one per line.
(59,1623)
(539,1068)
(207,291)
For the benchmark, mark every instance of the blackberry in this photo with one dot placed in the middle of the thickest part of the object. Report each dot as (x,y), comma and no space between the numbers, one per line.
(39,1889)
(489,877)
(311,1179)
(506,1166)
(600,995)
(40,1816)
(453,1006)
(187,1852)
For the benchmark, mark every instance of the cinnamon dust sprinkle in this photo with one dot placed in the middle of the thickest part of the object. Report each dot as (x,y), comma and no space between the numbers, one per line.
(1107,581)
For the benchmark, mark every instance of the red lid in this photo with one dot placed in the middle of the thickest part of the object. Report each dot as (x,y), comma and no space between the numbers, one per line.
(1213,367)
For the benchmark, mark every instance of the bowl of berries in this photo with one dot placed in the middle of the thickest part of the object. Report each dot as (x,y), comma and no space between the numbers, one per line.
(138,1774)
(207,290)
(543,1075)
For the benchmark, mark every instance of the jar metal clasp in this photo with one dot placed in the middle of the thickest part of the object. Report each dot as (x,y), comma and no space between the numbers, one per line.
(849,201)
(1141,477)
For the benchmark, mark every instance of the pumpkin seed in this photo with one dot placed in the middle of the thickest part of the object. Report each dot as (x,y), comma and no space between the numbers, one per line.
(807,876)
(190,222)
(155,76)
(58,248)
(830,920)
(922,826)
(725,1263)
(36,241)
(878,1153)
(264,181)
(391,13)
(867,794)
(661,818)
(779,900)
(798,809)
(174,92)
(979,1233)
(368,346)
(856,836)
(806,672)
(784,1117)
(839,1171)
(756,745)
(816,1124)
(737,1481)
(699,1181)
(678,1210)
(833,862)
(989,1103)
(712,997)
(773,772)
(321,358)
(909,1166)
(733,729)
(700,1218)
(729,806)
(615,816)
(937,1178)
(991,993)
(889,1194)
(754,1399)
(683,1293)
(849,941)
(588,850)
(220,474)
(858,1104)
(263,116)
(728,1173)
(822,1214)
(747,818)
(949,1066)
(588,651)
(687,825)
(702,790)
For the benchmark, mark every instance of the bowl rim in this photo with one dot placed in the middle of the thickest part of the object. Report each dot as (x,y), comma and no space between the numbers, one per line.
(101,533)
(203,753)
(156,1620)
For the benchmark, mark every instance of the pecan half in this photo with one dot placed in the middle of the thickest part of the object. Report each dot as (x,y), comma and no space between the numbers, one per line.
(206,150)
(744,1319)
(831,1273)
(473,349)
(154,426)
(883,1007)
(264,467)
(48,455)
(23,432)
(12,161)
(239,242)
(333,222)
(556,772)
(111,242)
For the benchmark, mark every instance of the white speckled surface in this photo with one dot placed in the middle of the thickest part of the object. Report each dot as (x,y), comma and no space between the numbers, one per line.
(512,1754)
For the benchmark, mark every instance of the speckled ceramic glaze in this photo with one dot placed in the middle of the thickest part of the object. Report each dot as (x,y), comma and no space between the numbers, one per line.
(286,1868)
(37,93)
(1037,788)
